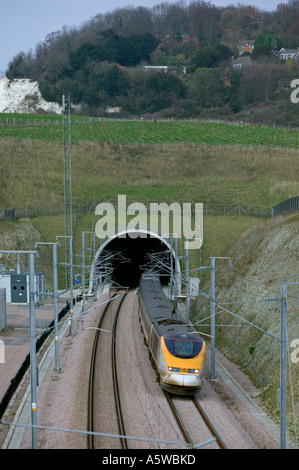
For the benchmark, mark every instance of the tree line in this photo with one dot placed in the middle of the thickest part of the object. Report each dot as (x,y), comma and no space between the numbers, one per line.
(99,63)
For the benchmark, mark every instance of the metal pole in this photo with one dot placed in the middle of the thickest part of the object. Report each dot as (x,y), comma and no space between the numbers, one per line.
(71,287)
(70,166)
(83,271)
(187,281)
(70,264)
(83,264)
(213,375)
(283,356)
(171,269)
(33,381)
(55,289)
(213,300)
(94,267)
(65,187)
(33,370)
(55,295)
(175,267)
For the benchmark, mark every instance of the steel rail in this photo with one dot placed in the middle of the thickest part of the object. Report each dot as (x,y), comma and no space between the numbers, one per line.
(120,419)
(180,423)
(209,424)
(90,411)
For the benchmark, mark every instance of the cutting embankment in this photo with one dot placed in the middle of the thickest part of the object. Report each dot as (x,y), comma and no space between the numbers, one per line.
(263,257)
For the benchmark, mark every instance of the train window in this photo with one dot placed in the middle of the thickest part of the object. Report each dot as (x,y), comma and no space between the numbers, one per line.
(183,345)
(183,348)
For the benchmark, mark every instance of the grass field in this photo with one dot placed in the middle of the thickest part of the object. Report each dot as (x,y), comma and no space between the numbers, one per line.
(32,173)
(149,132)
(213,163)
(183,161)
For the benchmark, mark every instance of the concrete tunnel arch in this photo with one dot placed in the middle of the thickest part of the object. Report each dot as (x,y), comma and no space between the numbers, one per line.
(135,244)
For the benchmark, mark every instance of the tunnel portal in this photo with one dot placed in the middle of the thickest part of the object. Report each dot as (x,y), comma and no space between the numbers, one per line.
(125,256)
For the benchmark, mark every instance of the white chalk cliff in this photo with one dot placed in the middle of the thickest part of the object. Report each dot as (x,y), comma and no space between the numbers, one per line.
(23,96)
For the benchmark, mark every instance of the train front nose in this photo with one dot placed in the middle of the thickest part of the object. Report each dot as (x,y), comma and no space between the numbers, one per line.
(183,380)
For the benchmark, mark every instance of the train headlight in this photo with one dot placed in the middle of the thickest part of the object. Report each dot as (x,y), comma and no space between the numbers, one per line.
(193,371)
(174,369)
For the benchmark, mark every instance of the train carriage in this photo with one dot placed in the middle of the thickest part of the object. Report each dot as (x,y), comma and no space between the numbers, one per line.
(176,349)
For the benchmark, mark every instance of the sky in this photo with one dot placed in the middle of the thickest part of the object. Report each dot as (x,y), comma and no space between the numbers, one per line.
(24,23)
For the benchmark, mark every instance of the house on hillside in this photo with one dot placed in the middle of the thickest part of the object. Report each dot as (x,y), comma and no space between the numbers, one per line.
(156,68)
(241,62)
(285,53)
(165,68)
(245,46)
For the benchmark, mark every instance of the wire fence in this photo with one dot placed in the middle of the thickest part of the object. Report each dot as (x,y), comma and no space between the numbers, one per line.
(286,207)
(86,208)
(56,119)
(41,121)
(239,209)
(30,212)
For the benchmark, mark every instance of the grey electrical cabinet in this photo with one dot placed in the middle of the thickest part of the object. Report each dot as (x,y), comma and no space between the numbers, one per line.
(18,288)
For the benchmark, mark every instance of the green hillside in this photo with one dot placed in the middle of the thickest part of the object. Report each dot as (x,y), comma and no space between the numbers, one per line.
(219,164)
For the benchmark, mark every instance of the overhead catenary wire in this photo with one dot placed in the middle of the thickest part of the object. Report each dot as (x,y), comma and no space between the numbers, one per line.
(95,433)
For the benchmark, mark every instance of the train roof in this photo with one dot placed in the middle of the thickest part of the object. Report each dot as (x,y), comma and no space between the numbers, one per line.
(160,309)
(154,298)
(175,327)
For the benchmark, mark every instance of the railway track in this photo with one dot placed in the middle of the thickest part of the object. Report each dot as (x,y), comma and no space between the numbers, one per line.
(108,323)
(179,420)
(93,380)
(209,424)
(183,426)
(120,419)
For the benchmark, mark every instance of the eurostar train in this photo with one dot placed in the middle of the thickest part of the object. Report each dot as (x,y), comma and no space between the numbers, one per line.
(176,350)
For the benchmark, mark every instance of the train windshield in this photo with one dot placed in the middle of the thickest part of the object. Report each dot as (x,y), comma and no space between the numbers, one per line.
(183,348)
(183,345)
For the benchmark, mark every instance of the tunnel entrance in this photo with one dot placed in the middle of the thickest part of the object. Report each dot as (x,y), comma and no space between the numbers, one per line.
(136,252)
(124,257)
